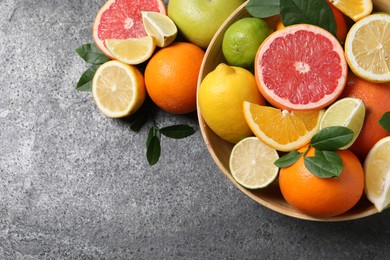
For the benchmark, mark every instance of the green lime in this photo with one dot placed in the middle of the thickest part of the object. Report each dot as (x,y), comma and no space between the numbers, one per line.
(348,112)
(242,40)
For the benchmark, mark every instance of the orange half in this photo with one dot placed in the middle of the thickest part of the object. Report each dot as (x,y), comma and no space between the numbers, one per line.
(282,130)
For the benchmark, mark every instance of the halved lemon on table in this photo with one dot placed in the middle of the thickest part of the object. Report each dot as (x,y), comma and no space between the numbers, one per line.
(118,89)
(132,51)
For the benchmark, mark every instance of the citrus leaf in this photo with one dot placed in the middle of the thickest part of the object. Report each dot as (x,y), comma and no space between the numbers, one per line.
(177,131)
(153,148)
(263,8)
(91,54)
(85,81)
(315,12)
(332,138)
(288,159)
(324,164)
(384,121)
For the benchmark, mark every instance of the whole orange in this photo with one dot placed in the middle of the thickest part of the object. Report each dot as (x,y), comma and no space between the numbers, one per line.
(341,24)
(323,197)
(171,77)
(376,97)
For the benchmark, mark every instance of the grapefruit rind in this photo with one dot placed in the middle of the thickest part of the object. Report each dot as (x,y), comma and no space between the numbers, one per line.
(301,68)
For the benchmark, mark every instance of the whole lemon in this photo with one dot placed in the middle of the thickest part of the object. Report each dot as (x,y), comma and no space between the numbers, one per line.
(220,98)
(198,20)
(242,40)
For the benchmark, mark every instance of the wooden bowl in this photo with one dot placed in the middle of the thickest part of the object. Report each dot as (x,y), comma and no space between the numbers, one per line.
(220,150)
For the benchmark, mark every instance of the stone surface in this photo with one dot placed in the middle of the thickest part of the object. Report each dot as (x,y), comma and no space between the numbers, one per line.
(76,185)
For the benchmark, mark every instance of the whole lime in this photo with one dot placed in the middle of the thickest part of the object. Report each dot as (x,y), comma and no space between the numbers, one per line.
(198,20)
(242,40)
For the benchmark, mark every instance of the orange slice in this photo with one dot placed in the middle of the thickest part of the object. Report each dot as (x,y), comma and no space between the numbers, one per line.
(354,9)
(282,130)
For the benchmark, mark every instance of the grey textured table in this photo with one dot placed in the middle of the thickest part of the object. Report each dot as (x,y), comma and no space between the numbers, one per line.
(76,185)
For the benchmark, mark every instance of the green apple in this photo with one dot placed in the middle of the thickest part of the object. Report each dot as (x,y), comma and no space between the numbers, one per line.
(199,20)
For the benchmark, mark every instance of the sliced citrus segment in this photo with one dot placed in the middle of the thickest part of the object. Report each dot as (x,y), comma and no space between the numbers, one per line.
(160,26)
(282,130)
(121,19)
(354,9)
(301,67)
(377,172)
(367,48)
(118,89)
(133,50)
(347,112)
(252,163)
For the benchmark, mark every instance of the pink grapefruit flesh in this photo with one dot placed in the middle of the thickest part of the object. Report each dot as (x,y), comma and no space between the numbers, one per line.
(122,19)
(301,67)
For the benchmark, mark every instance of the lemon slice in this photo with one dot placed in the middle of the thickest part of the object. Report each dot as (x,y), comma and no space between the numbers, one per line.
(367,48)
(252,163)
(347,112)
(118,89)
(160,26)
(133,50)
(377,172)
(354,9)
(282,130)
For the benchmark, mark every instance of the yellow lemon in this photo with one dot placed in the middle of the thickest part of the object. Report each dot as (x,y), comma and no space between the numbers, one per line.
(220,98)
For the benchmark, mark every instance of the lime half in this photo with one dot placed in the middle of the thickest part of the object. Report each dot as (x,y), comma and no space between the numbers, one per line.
(252,163)
(347,112)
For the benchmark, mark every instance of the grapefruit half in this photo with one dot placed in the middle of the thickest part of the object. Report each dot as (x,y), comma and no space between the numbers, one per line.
(301,67)
(122,19)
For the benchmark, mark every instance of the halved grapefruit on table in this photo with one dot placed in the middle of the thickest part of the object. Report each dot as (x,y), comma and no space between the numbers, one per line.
(122,19)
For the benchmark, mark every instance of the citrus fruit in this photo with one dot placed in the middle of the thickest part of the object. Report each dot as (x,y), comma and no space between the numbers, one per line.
(220,97)
(252,163)
(367,48)
(323,197)
(118,89)
(242,40)
(121,19)
(199,20)
(341,24)
(133,50)
(301,67)
(347,112)
(160,26)
(354,9)
(376,98)
(282,130)
(377,172)
(171,77)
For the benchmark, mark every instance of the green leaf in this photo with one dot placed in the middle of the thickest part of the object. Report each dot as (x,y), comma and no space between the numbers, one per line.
(324,164)
(263,8)
(85,81)
(91,54)
(288,159)
(315,12)
(332,138)
(384,121)
(153,148)
(140,117)
(177,131)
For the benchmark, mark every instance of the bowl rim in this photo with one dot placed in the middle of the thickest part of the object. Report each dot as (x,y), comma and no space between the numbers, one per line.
(205,135)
